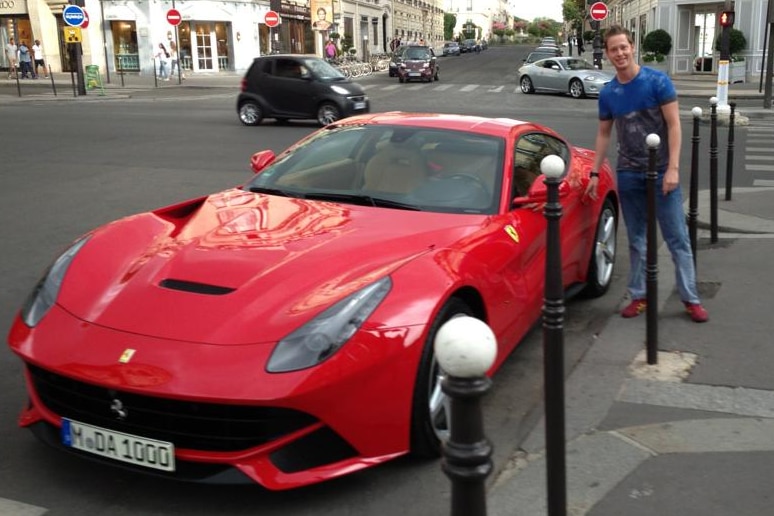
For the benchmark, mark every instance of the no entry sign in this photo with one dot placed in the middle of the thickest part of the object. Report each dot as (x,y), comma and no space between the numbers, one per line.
(271,19)
(174,17)
(598,11)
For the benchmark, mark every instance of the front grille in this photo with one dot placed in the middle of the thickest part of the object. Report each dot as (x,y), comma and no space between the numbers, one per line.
(187,424)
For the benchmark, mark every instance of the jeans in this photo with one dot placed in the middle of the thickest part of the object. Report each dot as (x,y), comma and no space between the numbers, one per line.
(632,188)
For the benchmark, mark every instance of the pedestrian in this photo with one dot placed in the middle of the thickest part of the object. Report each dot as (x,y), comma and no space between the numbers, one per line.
(11,53)
(163,57)
(37,55)
(174,57)
(25,60)
(640,101)
(330,49)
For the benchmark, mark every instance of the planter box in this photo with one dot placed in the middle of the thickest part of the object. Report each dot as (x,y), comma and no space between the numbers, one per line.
(737,71)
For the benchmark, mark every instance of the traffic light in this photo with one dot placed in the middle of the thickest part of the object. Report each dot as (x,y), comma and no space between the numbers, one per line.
(727,19)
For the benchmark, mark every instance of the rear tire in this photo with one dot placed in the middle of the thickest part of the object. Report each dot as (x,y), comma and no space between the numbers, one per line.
(429,411)
(602,260)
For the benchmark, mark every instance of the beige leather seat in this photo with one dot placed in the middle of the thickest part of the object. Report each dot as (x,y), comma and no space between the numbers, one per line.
(395,168)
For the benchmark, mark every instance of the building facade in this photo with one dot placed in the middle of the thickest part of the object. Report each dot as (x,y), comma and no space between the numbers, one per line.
(694,27)
(214,36)
(476,18)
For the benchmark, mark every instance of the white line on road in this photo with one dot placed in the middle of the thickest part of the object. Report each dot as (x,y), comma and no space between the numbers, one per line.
(443,87)
(469,87)
(13,508)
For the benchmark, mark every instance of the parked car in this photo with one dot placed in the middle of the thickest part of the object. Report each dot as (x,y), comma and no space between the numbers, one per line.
(537,56)
(281,332)
(549,48)
(470,45)
(484,44)
(573,75)
(419,63)
(396,59)
(451,48)
(287,87)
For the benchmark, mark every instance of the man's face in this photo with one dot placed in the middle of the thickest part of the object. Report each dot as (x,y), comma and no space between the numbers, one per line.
(320,15)
(619,51)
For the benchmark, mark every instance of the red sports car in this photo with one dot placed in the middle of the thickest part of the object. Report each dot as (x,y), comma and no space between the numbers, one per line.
(281,332)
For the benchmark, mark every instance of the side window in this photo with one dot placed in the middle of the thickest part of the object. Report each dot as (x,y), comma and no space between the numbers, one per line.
(549,64)
(288,68)
(529,151)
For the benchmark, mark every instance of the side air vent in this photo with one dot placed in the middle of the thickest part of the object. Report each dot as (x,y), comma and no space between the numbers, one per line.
(196,288)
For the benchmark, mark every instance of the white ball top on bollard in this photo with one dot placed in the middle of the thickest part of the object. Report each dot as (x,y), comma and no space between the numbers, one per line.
(713,101)
(465,347)
(653,140)
(552,166)
(696,112)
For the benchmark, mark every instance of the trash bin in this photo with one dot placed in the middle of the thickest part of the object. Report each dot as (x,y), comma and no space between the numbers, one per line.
(93,80)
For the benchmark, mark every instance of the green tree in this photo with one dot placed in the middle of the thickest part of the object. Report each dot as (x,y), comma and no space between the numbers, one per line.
(449,22)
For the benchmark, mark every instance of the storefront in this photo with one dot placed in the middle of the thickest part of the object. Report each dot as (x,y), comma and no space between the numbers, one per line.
(14,23)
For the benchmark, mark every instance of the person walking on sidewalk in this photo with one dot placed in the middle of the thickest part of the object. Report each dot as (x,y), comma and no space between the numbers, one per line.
(163,57)
(640,101)
(37,55)
(11,52)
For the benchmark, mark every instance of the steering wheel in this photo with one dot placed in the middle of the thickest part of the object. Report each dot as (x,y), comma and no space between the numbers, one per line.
(470,178)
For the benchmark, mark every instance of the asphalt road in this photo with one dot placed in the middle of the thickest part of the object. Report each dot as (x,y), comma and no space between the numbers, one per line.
(70,166)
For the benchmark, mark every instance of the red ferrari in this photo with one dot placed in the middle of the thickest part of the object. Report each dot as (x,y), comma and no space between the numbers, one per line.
(281,332)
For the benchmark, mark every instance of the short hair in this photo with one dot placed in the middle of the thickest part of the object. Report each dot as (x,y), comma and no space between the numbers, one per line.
(617,30)
(321,9)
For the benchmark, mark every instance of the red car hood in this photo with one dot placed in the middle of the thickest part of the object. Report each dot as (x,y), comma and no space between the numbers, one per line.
(239,268)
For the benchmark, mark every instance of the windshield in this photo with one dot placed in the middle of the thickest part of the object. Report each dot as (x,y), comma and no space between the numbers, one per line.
(391,166)
(416,53)
(322,70)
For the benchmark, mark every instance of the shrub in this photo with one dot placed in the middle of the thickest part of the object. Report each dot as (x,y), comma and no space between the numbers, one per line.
(736,43)
(658,42)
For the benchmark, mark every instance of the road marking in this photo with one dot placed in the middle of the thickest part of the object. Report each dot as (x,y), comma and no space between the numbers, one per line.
(760,168)
(443,87)
(759,158)
(392,87)
(469,87)
(496,90)
(13,508)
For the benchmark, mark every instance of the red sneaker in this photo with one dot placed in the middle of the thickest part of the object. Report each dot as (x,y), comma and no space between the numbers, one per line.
(697,312)
(635,308)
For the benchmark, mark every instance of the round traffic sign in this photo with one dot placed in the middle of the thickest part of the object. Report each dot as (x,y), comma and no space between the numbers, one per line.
(73,15)
(598,11)
(271,19)
(174,17)
(85,22)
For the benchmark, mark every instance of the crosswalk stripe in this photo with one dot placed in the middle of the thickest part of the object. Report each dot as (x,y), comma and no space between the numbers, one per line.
(758,158)
(11,507)
(760,168)
(469,87)
(496,90)
(758,149)
(392,87)
(763,182)
(442,87)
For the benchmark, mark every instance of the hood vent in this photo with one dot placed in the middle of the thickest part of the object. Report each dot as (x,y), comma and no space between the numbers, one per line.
(196,288)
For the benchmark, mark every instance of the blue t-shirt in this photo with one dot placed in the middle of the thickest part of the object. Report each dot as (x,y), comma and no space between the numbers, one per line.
(635,108)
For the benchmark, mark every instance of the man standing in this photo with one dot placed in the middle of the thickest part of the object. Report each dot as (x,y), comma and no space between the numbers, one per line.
(25,61)
(11,51)
(37,54)
(640,101)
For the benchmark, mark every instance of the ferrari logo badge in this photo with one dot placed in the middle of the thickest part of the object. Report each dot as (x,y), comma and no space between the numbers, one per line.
(512,233)
(126,356)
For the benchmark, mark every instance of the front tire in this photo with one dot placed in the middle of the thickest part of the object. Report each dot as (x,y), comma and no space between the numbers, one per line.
(429,411)
(576,89)
(328,113)
(250,113)
(526,85)
(602,261)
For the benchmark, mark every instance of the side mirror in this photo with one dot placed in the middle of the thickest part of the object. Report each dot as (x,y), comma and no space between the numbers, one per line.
(261,160)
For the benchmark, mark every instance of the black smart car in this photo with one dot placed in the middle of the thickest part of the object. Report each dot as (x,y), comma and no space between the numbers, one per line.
(293,87)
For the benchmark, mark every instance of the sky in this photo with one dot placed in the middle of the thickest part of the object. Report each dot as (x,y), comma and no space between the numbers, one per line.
(531,9)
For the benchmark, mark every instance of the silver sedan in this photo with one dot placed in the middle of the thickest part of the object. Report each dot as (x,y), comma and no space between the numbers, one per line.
(573,75)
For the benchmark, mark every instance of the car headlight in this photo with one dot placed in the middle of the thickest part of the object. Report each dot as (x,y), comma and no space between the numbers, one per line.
(591,78)
(46,291)
(321,337)
(340,90)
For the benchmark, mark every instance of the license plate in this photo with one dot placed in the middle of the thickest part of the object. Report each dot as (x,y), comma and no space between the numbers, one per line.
(360,105)
(414,74)
(119,446)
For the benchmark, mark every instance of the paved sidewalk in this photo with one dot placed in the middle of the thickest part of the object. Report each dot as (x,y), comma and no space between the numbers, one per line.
(694,434)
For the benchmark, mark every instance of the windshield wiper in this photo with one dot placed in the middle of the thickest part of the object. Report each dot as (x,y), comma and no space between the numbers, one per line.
(361,200)
(275,191)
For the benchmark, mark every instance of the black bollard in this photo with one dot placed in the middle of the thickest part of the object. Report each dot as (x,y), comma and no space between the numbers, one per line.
(466,348)
(553,344)
(651,269)
(730,152)
(693,203)
(714,170)
(53,84)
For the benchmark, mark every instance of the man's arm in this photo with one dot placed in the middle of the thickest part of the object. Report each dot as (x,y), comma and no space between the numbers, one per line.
(601,145)
(671,113)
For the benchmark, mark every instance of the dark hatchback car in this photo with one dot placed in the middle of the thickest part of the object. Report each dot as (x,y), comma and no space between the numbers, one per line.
(296,87)
(420,63)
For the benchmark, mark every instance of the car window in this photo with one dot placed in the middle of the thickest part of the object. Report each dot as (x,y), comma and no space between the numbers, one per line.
(290,69)
(426,169)
(529,151)
(550,63)
(579,64)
